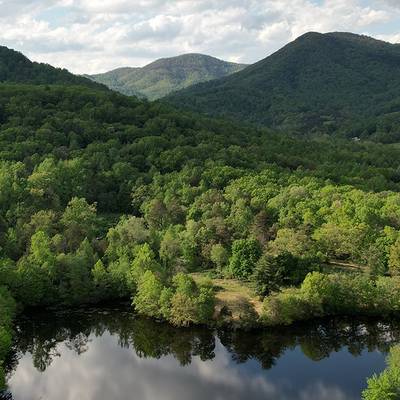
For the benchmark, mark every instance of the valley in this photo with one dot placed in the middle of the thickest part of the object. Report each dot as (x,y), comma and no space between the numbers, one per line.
(247,218)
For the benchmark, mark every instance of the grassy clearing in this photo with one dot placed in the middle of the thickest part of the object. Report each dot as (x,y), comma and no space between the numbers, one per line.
(335,266)
(237,302)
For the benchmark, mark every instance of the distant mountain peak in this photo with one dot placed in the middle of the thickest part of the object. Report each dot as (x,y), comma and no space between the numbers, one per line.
(318,81)
(167,75)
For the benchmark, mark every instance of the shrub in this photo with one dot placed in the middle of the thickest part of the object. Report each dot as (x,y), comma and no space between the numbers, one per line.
(386,386)
(317,288)
(190,303)
(336,294)
(184,284)
(182,304)
(339,293)
(205,305)
(388,295)
(285,307)
(183,310)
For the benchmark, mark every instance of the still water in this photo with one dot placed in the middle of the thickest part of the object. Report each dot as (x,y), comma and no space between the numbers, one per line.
(103,354)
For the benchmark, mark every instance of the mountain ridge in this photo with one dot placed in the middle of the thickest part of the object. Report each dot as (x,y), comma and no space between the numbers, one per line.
(166,75)
(15,67)
(318,81)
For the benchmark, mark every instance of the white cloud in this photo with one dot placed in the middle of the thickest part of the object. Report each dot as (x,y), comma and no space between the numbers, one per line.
(390,38)
(107,371)
(392,3)
(88,36)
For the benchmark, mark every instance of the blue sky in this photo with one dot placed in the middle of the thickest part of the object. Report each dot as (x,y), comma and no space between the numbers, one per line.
(89,36)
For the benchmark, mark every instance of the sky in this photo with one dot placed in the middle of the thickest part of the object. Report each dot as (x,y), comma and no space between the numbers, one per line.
(92,36)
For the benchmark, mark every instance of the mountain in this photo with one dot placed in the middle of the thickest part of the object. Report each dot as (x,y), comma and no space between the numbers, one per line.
(106,197)
(16,68)
(327,82)
(166,75)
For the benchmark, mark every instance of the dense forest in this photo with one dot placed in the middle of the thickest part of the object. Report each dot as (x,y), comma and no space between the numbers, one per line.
(106,197)
(15,67)
(336,83)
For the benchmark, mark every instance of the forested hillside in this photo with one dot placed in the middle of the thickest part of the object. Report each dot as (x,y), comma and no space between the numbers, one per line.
(166,75)
(104,196)
(335,83)
(16,68)
(74,160)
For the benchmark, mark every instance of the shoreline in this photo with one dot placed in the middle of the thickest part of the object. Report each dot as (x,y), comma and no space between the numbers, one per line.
(215,324)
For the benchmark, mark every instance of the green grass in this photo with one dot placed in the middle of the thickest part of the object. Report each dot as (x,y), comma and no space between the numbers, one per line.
(236,301)
(335,266)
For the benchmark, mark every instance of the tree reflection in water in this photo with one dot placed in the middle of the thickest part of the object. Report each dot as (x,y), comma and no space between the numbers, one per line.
(40,335)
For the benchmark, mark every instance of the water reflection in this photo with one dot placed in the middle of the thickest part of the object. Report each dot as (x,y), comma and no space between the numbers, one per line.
(109,354)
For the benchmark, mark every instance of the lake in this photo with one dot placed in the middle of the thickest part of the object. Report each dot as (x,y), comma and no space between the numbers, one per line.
(108,353)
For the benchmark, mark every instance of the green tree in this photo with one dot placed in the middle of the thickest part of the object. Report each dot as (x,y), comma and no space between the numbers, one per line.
(296,242)
(387,384)
(74,274)
(144,261)
(219,256)
(123,238)
(147,298)
(394,258)
(122,282)
(284,269)
(170,249)
(100,275)
(7,313)
(41,253)
(156,214)
(268,275)
(44,184)
(191,304)
(205,305)
(36,272)
(165,302)
(79,221)
(245,254)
